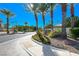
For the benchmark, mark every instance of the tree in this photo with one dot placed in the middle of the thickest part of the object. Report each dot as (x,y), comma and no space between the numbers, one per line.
(8,14)
(64,34)
(34,8)
(72,15)
(51,13)
(76,21)
(43,8)
(26,23)
(68,22)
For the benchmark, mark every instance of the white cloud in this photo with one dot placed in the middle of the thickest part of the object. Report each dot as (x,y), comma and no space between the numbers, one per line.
(59,25)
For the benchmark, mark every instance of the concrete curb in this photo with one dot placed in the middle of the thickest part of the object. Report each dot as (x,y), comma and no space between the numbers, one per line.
(28,51)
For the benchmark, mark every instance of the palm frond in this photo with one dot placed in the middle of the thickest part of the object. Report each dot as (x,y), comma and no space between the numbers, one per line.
(6,12)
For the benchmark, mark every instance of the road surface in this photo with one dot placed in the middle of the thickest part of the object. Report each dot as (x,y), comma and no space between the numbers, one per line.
(9,45)
(4,37)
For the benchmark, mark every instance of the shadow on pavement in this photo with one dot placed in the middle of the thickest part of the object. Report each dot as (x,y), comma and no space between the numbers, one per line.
(47,51)
(6,34)
(3,34)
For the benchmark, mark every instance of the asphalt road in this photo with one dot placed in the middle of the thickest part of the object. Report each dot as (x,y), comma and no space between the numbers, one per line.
(4,37)
(11,45)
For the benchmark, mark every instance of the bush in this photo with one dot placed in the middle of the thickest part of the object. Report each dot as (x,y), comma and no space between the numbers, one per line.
(40,37)
(58,30)
(36,37)
(54,34)
(74,33)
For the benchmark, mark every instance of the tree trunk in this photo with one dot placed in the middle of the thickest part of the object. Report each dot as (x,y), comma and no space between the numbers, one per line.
(64,34)
(7,25)
(36,21)
(72,15)
(51,14)
(72,22)
(43,22)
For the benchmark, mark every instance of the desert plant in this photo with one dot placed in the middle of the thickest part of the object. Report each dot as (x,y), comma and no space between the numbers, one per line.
(54,34)
(42,38)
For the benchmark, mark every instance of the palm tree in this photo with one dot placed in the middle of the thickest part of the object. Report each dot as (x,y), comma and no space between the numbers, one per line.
(34,8)
(43,8)
(8,14)
(68,22)
(64,35)
(76,21)
(72,15)
(51,13)
(26,23)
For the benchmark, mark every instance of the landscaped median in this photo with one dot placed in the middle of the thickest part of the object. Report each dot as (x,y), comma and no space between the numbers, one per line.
(55,39)
(35,48)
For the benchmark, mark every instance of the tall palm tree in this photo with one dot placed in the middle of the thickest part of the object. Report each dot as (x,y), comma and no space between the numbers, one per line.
(64,34)
(72,15)
(43,8)
(51,13)
(26,23)
(8,14)
(34,8)
(25,28)
(68,22)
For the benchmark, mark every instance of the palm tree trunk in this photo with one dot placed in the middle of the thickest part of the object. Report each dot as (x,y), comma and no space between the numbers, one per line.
(64,34)
(51,14)
(7,25)
(43,22)
(36,21)
(72,15)
(72,22)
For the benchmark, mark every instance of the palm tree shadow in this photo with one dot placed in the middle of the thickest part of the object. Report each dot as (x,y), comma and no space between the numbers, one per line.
(47,51)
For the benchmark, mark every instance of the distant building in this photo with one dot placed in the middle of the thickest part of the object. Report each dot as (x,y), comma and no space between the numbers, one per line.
(1,27)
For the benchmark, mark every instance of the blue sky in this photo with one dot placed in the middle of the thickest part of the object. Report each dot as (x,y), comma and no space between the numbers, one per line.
(22,16)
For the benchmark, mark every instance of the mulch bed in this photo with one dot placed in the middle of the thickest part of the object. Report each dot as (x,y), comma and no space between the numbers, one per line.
(70,45)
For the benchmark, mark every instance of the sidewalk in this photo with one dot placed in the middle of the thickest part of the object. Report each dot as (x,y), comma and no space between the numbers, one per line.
(39,49)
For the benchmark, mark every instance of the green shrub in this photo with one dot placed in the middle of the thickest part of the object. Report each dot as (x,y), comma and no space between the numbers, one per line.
(58,30)
(54,34)
(36,37)
(47,32)
(43,38)
(74,33)
(40,37)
